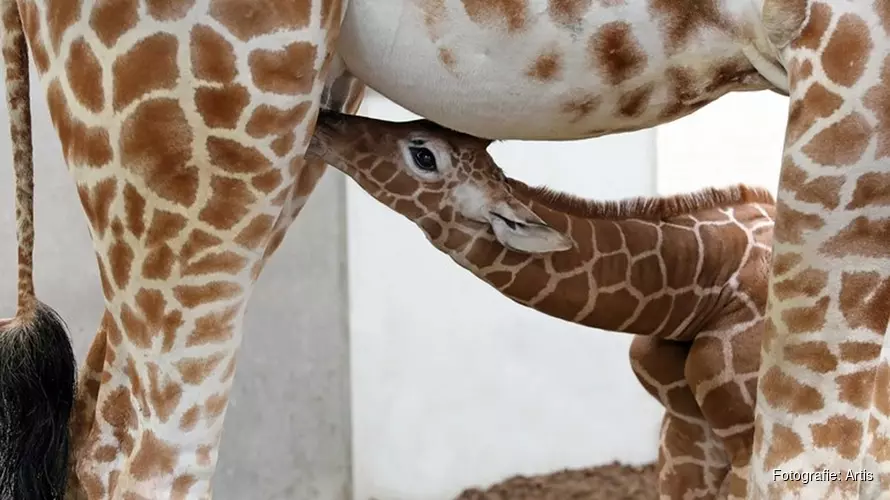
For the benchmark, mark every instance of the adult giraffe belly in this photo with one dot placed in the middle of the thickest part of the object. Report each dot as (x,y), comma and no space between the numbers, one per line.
(539,69)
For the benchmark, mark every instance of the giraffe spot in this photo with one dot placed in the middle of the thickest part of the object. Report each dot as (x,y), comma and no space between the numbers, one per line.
(784,263)
(858,352)
(784,445)
(455,239)
(645,237)
(610,270)
(841,143)
(824,190)
(881,396)
(817,103)
(807,283)
(746,353)
(136,329)
(568,297)
(499,279)
(856,388)
(255,232)
(283,144)
(872,189)
(192,296)
(811,35)
(877,99)
(213,328)
(791,224)
(234,157)
(85,76)
(616,52)
(267,181)
(497,13)
(222,262)
(677,264)
(548,66)
(120,259)
(806,319)
(215,405)
(134,207)
(433,14)
(81,145)
(164,227)
(447,58)
(646,275)
(632,104)
(288,71)
(814,355)
(204,454)
(247,19)
(168,10)
(96,203)
(190,418)
(652,315)
(580,107)
(198,241)
(154,458)
(753,274)
(863,300)
(784,392)
(110,19)
(726,247)
(221,107)
(268,120)
(862,237)
(845,56)
(567,12)
(149,65)
(682,20)
(229,372)
(156,143)
(213,57)
(720,412)
(120,414)
(228,204)
(105,454)
(483,253)
(682,308)
(31,24)
(61,15)
(194,371)
(841,433)
(165,393)
(611,310)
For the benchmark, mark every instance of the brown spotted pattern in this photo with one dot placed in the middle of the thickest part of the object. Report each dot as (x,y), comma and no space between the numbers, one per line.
(685,274)
(188,179)
(823,380)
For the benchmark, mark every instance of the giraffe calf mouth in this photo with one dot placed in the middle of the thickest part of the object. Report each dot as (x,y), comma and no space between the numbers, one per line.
(512,224)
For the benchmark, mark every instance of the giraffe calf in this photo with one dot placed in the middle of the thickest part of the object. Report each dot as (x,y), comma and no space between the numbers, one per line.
(685,274)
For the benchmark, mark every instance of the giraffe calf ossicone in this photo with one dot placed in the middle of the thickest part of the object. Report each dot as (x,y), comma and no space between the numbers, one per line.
(685,274)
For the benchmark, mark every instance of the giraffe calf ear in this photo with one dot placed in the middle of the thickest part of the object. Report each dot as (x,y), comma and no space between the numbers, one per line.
(529,237)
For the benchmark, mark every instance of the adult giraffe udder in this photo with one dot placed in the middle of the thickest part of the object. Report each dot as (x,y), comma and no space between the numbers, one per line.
(580,68)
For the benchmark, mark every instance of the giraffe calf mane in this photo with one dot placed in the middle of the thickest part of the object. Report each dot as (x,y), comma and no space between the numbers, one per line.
(645,207)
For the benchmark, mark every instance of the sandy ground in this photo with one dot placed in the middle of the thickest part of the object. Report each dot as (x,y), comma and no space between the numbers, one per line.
(607,482)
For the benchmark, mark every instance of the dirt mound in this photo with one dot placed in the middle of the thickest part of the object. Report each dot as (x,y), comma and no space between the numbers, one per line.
(613,481)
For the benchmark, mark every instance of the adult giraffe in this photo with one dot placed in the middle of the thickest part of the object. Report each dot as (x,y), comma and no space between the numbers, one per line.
(184,123)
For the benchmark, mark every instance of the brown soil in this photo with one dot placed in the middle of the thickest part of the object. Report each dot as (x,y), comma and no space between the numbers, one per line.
(613,481)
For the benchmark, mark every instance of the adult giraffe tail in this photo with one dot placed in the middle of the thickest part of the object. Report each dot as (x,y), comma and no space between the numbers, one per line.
(37,366)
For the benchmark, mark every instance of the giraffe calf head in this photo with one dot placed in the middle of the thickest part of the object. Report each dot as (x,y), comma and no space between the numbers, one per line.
(429,173)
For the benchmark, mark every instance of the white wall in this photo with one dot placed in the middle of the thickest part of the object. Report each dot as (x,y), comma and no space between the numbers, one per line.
(454,385)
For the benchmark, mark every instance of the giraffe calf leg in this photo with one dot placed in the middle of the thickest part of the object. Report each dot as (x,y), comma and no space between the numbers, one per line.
(691,459)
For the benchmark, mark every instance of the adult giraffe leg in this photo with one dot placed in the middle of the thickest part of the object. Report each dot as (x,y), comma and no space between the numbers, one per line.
(184,126)
(691,459)
(823,393)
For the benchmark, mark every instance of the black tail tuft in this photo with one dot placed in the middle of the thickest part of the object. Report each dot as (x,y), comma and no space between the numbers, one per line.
(37,385)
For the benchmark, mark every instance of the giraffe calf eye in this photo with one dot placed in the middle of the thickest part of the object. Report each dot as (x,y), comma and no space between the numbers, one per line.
(424,159)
